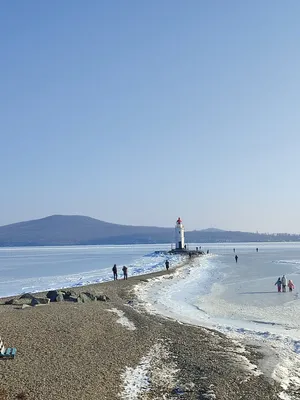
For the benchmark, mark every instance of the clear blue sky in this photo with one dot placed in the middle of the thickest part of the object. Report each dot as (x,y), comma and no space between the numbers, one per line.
(138,112)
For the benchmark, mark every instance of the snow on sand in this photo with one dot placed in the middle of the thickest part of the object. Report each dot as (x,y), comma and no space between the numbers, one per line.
(177,296)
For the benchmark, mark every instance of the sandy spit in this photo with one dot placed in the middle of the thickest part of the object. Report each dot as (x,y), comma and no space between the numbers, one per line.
(111,350)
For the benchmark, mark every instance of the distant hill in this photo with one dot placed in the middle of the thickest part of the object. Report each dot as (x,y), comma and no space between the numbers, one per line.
(212,230)
(77,230)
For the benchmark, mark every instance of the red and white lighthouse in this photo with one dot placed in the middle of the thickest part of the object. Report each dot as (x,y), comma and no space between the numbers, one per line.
(179,234)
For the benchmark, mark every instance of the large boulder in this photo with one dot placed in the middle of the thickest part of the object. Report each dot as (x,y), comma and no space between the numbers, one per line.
(39,300)
(102,297)
(84,298)
(14,302)
(53,294)
(34,302)
(59,297)
(72,298)
(69,293)
(27,296)
(91,296)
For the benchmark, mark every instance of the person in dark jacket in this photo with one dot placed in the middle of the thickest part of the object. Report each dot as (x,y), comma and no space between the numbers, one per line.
(236,258)
(278,284)
(167,264)
(115,272)
(124,269)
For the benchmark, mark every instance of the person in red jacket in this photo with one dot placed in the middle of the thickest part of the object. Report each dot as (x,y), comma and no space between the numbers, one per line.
(291,285)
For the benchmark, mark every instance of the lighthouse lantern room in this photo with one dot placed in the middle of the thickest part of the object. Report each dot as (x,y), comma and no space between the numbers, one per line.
(179,234)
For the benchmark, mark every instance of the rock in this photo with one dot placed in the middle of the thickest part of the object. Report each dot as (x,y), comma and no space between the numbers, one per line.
(84,298)
(178,390)
(28,296)
(68,293)
(52,294)
(189,387)
(34,302)
(90,295)
(25,306)
(14,302)
(59,297)
(102,297)
(43,300)
(39,300)
(72,298)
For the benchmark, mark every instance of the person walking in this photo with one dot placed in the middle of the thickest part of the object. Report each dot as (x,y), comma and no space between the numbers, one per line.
(284,283)
(291,285)
(167,264)
(278,283)
(236,258)
(115,272)
(124,269)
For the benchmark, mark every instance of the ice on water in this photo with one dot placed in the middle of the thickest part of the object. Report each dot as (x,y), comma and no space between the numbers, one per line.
(240,299)
(33,269)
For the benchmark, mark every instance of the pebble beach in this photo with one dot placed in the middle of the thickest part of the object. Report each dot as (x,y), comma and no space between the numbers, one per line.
(114,350)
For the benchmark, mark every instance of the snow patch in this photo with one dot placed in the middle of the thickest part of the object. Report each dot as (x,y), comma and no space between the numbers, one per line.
(123,320)
(155,370)
(244,362)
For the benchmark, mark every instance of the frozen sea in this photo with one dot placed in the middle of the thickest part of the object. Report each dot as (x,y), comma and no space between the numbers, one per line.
(241,300)
(34,269)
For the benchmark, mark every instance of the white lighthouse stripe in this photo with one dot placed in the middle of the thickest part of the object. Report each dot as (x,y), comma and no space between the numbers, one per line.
(179,234)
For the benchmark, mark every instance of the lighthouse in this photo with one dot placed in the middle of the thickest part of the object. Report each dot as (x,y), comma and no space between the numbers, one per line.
(179,234)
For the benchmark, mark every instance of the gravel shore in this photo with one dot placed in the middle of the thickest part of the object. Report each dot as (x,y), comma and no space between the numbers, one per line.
(80,351)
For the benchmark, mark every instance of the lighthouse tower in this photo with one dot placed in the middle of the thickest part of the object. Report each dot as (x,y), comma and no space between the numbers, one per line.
(179,235)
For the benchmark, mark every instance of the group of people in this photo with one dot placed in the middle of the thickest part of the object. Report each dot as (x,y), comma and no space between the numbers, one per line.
(125,270)
(236,256)
(282,283)
(115,272)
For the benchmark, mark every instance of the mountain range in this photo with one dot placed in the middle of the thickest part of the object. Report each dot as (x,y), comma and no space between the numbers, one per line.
(61,230)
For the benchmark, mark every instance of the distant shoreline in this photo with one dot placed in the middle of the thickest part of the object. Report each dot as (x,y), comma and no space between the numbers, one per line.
(78,230)
(144,244)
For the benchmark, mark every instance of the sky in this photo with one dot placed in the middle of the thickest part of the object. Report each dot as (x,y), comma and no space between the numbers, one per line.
(137,112)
